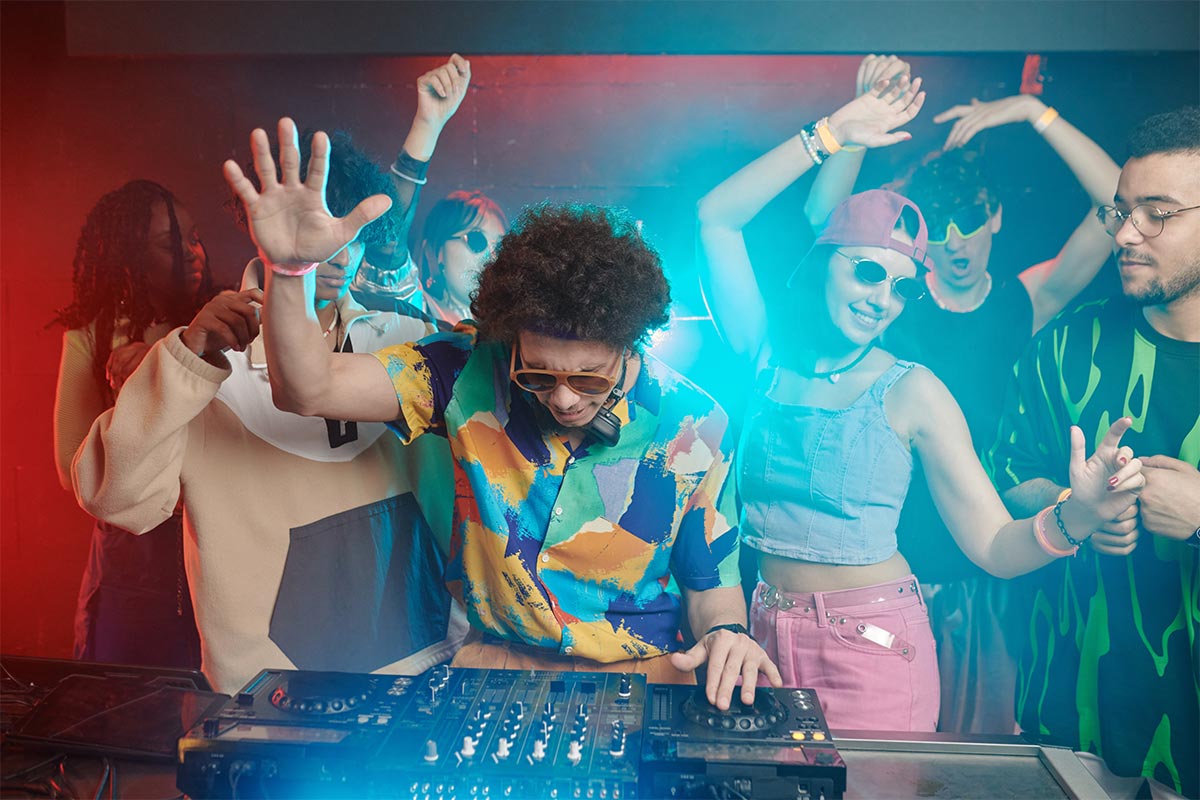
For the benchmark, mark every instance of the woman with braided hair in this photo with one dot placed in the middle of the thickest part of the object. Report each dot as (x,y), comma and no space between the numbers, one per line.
(140,270)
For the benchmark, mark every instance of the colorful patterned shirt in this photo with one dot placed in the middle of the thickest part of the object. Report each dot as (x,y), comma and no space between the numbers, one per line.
(1112,660)
(574,551)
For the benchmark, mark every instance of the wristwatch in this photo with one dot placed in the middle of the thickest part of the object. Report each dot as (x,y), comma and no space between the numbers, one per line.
(736,627)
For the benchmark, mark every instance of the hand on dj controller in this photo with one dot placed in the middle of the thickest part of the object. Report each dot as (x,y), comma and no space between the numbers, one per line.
(730,656)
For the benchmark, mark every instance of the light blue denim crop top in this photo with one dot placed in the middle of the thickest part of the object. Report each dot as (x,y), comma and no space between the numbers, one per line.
(820,484)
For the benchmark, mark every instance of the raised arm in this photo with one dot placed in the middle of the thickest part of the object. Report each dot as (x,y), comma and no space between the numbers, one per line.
(726,273)
(836,177)
(294,231)
(1051,284)
(1103,486)
(440,92)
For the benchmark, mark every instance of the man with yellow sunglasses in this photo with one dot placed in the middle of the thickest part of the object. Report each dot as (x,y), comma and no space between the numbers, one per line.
(593,488)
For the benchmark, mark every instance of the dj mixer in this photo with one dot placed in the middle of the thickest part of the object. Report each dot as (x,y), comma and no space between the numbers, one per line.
(457,734)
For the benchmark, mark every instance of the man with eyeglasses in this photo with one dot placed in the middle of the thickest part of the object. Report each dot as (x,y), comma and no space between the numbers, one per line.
(592,481)
(1111,664)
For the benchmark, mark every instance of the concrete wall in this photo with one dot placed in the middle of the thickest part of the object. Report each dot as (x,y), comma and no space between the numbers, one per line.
(649,132)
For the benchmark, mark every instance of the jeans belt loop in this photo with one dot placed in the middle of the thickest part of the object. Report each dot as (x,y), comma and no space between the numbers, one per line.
(823,617)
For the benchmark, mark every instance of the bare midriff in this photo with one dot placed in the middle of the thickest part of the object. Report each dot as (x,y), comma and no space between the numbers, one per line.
(792,575)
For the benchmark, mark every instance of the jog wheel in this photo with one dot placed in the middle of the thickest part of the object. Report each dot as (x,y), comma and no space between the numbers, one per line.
(764,714)
(321,693)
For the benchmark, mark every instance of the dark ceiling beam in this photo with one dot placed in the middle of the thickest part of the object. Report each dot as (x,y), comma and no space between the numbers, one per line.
(636,27)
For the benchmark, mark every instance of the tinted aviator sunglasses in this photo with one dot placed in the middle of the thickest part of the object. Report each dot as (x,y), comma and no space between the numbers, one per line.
(475,240)
(540,381)
(967,222)
(874,273)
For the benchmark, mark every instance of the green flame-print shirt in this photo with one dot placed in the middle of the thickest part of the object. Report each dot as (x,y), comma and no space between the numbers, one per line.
(1110,664)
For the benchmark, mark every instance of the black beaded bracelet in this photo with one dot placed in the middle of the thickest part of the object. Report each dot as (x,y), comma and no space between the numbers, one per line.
(1071,540)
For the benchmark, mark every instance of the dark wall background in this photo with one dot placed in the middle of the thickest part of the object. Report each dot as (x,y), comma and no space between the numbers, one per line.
(649,132)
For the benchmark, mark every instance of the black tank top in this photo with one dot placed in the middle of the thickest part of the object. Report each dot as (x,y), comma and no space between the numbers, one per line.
(973,354)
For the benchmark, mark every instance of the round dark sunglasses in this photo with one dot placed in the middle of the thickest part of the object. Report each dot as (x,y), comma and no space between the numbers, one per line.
(475,240)
(874,273)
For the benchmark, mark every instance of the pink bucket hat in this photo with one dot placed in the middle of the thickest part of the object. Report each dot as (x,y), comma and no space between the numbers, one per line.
(868,219)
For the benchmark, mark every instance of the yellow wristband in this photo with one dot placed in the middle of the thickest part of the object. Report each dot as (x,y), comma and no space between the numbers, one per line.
(1062,496)
(828,140)
(1043,122)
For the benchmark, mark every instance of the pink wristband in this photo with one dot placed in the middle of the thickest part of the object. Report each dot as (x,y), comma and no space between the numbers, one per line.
(1039,533)
(290,271)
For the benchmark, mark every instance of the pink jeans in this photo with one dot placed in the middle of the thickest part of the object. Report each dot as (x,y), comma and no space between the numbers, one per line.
(869,652)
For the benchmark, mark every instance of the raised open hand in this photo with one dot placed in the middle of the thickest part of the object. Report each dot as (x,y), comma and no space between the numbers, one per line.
(871,118)
(440,91)
(289,221)
(874,68)
(977,116)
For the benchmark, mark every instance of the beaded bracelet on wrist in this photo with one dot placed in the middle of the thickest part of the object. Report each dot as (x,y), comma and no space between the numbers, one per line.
(810,148)
(810,131)
(1062,528)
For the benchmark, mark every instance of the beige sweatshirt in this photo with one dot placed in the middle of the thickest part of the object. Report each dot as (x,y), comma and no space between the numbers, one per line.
(79,399)
(309,544)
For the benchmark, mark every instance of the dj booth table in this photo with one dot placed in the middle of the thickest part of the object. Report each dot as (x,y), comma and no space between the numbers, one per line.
(930,766)
(938,765)
(682,737)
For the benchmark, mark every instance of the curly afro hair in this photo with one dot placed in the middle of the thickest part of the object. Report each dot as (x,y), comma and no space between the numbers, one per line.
(573,271)
(353,177)
(945,182)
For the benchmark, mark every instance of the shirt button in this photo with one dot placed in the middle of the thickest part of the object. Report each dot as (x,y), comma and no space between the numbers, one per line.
(558,511)
(568,649)
(545,558)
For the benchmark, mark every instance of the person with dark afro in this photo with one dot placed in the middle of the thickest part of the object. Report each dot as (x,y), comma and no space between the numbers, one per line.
(591,479)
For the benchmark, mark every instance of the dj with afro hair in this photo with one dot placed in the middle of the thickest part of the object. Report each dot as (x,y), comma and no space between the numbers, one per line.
(592,481)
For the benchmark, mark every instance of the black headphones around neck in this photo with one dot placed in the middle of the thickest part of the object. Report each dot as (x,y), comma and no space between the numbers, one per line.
(605,427)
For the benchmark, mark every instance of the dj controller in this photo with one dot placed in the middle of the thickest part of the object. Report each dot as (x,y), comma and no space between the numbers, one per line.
(468,734)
